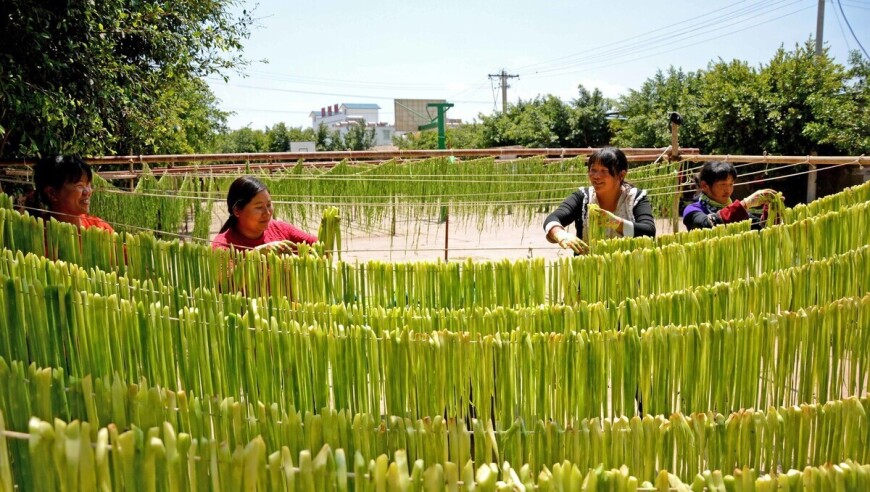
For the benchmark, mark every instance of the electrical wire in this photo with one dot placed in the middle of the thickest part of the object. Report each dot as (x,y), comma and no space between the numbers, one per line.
(363,84)
(856,5)
(672,38)
(842,31)
(641,36)
(572,69)
(317,93)
(852,31)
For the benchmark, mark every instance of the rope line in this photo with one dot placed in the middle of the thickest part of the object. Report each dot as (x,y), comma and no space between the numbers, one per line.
(193,195)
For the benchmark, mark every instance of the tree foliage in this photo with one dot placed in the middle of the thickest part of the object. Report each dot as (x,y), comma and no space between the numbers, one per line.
(644,112)
(549,122)
(358,137)
(243,140)
(731,111)
(468,136)
(844,121)
(278,137)
(797,104)
(113,76)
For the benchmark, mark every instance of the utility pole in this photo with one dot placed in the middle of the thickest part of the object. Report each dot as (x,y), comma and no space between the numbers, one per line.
(820,27)
(820,30)
(503,83)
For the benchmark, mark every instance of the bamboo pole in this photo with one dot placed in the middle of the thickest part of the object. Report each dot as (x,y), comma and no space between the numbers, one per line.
(218,169)
(853,160)
(343,155)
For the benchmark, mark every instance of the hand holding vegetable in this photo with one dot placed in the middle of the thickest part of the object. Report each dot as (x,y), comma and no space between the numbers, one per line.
(609,220)
(278,247)
(570,241)
(759,198)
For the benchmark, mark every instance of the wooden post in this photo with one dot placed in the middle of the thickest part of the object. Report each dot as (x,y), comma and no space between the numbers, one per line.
(676,120)
(132,180)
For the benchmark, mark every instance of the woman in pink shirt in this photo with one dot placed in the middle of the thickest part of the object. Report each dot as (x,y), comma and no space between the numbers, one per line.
(63,186)
(251,225)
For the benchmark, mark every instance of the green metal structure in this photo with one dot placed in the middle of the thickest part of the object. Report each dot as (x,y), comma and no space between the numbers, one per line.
(438,122)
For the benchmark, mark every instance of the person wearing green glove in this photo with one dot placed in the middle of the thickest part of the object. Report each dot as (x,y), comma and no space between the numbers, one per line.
(714,206)
(625,209)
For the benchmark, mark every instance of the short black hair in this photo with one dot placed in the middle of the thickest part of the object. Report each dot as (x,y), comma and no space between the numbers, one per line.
(58,170)
(611,158)
(713,171)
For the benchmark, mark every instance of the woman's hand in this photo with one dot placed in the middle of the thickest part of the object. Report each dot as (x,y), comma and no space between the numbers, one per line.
(759,198)
(609,220)
(278,247)
(570,241)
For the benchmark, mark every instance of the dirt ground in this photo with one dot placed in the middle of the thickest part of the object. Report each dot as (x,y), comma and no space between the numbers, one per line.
(425,241)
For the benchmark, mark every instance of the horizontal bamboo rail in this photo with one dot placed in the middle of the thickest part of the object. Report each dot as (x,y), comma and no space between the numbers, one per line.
(237,163)
(859,160)
(364,155)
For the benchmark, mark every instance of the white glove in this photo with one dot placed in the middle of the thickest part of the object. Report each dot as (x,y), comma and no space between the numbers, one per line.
(609,220)
(759,198)
(570,241)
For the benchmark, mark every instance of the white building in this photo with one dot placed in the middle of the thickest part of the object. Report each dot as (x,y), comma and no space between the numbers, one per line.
(303,147)
(341,116)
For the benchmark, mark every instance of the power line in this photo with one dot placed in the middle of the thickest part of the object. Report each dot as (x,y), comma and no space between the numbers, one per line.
(640,50)
(321,81)
(503,83)
(850,29)
(626,48)
(842,31)
(655,32)
(317,93)
(291,111)
(573,70)
(857,5)
(470,90)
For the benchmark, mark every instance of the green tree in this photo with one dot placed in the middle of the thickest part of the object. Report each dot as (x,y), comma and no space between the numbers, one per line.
(797,104)
(589,124)
(466,136)
(324,140)
(273,139)
(644,113)
(550,122)
(540,122)
(844,121)
(99,77)
(732,110)
(298,134)
(801,89)
(243,140)
(279,138)
(359,137)
(190,120)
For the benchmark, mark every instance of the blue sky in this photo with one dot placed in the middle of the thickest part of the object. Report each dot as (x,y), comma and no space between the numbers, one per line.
(335,51)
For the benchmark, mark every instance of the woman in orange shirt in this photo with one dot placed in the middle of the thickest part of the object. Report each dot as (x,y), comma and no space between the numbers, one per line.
(63,185)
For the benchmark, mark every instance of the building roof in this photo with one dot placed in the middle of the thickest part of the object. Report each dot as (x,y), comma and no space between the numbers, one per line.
(360,106)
